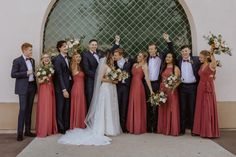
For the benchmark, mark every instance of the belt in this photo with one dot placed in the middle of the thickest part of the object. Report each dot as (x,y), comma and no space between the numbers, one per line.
(154,81)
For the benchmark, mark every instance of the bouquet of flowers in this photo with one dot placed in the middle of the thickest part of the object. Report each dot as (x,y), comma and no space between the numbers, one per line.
(74,44)
(158,99)
(122,75)
(52,52)
(117,74)
(45,71)
(218,44)
(172,81)
(113,74)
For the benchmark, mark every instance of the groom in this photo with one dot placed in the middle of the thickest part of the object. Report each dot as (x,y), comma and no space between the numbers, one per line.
(62,81)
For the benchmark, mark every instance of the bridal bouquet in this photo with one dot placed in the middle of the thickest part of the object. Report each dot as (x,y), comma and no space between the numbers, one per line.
(113,74)
(45,71)
(122,75)
(117,74)
(172,81)
(218,44)
(158,99)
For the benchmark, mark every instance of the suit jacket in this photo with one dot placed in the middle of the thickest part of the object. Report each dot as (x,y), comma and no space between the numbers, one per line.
(62,74)
(194,60)
(89,64)
(127,67)
(19,71)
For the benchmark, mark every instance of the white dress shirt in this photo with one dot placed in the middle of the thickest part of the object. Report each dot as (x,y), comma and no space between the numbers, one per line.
(95,55)
(187,75)
(121,63)
(154,65)
(29,67)
(67,62)
(66,59)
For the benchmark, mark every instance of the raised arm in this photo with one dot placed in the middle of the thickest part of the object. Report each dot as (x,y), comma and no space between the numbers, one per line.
(169,43)
(213,63)
(116,44)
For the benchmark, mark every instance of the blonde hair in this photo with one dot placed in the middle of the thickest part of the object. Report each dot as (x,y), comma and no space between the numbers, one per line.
(44,56)
(73,65)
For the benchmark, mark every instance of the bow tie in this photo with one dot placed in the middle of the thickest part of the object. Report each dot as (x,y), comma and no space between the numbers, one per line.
(187,60)
(94,53)
(153,57)
(65,57)
(27,59)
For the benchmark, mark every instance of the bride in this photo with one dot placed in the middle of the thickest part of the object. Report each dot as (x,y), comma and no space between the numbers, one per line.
(102,119)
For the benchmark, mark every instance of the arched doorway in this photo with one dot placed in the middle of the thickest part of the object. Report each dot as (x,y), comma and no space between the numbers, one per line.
(138,22)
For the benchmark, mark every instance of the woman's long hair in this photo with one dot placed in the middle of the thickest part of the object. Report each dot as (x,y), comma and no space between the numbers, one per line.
(206,53)
(164,66)
(109,56)
(42,57)
(74,65)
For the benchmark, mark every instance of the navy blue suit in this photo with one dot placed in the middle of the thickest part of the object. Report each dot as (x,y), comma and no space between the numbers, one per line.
(188,95)
(62,80)
(123,94)
(26,91)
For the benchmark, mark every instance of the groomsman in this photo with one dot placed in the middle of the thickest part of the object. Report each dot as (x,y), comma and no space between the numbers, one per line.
(155,61)
(62,81)
(122,86)
(23,69)
(90,60)
(189,66)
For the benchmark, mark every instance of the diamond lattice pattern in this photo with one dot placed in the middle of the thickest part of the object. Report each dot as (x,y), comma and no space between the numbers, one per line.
(138,22)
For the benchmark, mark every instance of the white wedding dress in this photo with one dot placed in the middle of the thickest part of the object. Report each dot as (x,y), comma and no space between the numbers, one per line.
(102,119)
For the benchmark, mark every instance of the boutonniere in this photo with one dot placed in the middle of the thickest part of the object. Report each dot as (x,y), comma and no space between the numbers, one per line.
(126,60)
(191,61)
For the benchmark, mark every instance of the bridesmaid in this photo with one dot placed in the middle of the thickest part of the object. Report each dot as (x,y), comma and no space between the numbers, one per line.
(206,119)
(168,113)
(78,102)
(136,119)
(46,109)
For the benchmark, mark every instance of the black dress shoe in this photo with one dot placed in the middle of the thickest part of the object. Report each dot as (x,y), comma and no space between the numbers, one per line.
(62,132)
(181,133)
(19,138)
(30,134)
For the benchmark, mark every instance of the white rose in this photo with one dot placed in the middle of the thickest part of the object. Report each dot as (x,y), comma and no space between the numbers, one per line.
(164,101)
(76,41)
(217,44)
(38,73)
(44,72)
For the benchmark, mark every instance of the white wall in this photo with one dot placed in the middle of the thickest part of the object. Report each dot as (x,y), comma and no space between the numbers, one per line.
(23,20)
(20,21)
